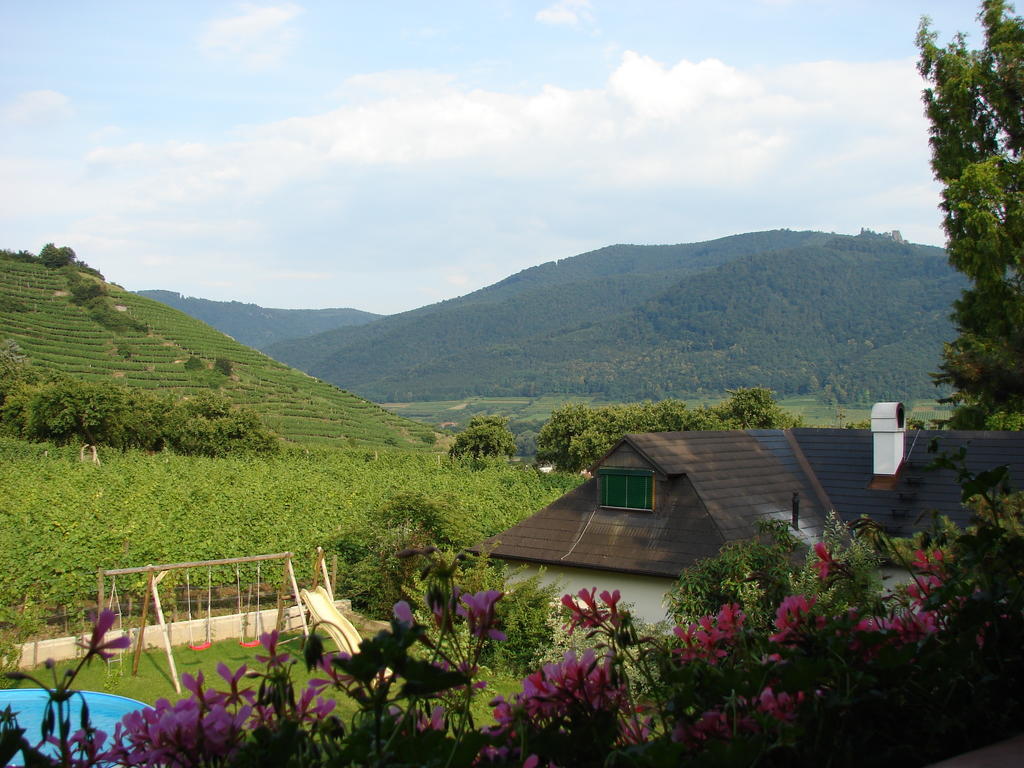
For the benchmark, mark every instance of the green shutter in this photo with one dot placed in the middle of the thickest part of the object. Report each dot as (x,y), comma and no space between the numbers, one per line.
(638,492)
(626,488)
(614,491)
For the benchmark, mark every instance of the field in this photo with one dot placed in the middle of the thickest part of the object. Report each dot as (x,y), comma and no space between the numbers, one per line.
(456,413)
(152,349)
(63,520)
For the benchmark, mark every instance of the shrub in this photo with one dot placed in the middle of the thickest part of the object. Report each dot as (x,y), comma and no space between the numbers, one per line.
(755,574)
(208,425)
(223,366)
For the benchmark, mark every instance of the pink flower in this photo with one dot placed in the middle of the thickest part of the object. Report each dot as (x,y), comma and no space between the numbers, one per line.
(573,689)
(793,619)
(825,563)
(713,724)
(914,626)
(933,562)
(710,638)
(585,612)
(781,706)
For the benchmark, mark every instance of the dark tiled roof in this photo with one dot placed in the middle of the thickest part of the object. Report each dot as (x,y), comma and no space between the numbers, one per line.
(713,487)
(738,479)
(576,531)
(842,461)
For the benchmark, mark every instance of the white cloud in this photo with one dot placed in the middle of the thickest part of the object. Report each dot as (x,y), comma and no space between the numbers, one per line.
(568,12)
(258,38)
(687,124)
(655,92)
(300,276)
(37,107)
(458,278)
(661,152)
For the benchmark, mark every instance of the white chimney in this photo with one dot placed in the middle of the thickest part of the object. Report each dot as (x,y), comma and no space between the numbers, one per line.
(889,430)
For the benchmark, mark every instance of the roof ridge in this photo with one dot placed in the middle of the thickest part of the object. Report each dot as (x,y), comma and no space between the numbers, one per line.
(704,506)
(819,490)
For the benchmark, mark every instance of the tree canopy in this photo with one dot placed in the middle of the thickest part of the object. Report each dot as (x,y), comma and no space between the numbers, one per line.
(64,410)
(975,102)
(577,435)
(484,436)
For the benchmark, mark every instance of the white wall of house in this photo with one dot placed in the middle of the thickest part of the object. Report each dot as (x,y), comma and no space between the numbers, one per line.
(646,593)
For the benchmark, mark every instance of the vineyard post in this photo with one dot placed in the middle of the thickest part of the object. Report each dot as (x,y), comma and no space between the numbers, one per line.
(142,626)
(166,629)
(279,621)
(334,572)
(295,592)
(321,566)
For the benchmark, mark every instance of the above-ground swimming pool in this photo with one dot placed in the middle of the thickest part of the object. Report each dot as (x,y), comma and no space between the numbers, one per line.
(105,709)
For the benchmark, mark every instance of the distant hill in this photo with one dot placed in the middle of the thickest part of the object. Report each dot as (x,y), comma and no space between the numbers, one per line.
(849,318)
(116,335)
(257,326)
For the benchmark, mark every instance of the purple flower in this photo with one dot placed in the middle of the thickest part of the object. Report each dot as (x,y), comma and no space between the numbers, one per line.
(269,641)
(478,610)
(403,613)
(98,644)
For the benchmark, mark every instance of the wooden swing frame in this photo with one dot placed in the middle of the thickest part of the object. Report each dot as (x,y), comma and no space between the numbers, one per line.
(156,574)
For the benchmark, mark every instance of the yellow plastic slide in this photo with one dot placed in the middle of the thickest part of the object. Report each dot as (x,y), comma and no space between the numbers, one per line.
(326,615)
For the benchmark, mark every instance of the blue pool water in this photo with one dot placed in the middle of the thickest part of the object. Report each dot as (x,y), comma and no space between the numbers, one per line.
(104,709)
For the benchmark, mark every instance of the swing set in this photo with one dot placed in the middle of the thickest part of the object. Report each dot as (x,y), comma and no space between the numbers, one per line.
(156,573)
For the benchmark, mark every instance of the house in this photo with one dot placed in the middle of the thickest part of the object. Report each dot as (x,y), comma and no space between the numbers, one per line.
(658,502)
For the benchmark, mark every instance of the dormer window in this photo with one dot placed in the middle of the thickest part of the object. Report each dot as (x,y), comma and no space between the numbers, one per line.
(626,488)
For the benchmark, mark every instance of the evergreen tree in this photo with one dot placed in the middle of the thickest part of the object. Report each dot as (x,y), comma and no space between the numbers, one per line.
(975,102)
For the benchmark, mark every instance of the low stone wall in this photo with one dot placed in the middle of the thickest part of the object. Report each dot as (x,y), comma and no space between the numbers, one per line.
(182,633)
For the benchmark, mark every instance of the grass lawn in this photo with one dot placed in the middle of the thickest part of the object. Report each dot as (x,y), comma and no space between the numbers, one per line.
(154,681)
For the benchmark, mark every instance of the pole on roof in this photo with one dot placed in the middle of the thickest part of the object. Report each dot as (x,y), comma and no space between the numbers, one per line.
(796,511)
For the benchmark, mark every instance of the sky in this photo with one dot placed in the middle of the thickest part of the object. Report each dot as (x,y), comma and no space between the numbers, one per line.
(385,156)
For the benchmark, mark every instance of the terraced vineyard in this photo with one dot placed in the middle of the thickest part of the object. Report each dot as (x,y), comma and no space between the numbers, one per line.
(36,311)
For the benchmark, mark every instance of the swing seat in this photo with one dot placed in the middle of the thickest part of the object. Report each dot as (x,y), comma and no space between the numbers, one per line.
(200,646)
(249,644)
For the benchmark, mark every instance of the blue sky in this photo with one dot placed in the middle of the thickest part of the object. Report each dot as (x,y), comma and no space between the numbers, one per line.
(389,155)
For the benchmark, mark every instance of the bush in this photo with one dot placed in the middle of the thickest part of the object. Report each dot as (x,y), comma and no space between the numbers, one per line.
(63,410)
(223,366)
(208,425)
(756,574)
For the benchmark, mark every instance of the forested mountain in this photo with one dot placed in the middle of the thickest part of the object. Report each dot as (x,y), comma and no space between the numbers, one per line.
(257,326)
(67,319)
(850,318)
